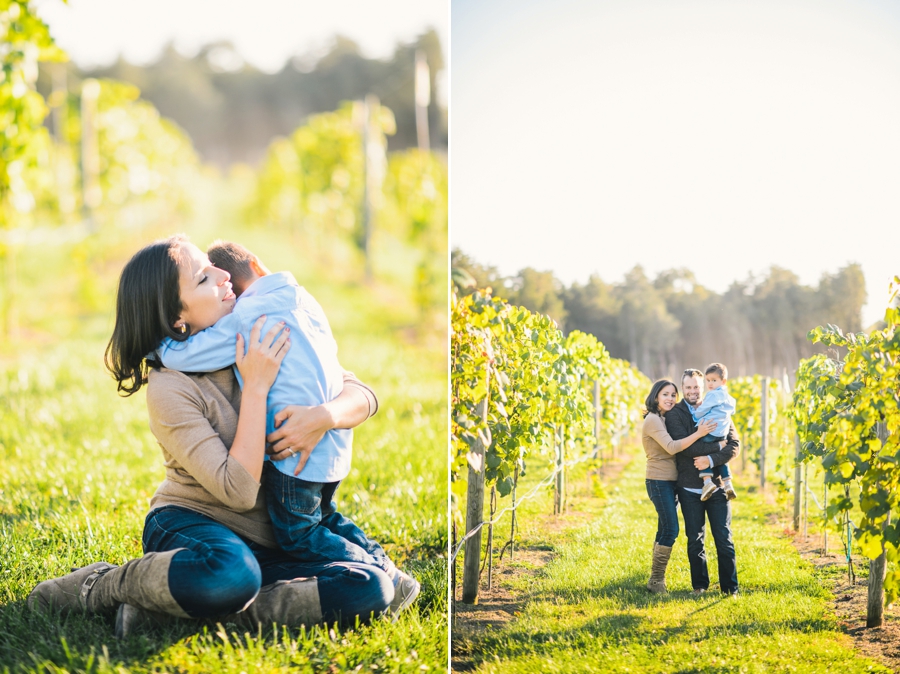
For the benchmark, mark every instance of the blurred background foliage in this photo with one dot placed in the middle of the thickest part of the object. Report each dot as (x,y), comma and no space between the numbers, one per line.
(232,111)
(322,154)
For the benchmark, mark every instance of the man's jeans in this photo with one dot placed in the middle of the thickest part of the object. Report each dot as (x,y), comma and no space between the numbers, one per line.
(309,527)
(665,499)
(220,572)
(695,512)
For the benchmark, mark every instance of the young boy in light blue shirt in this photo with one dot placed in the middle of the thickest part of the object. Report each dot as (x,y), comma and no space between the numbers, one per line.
(301,507)
(717,406)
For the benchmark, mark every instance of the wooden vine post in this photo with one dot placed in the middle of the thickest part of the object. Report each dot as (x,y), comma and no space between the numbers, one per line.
(489,553)
(763,423)
(597,453)
(798,482)
(878,566)
(559,493)
(805,501)
(475,505)
(512,521)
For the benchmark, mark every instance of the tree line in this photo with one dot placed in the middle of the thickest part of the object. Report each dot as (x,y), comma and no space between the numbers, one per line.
(232,111)
(668,323)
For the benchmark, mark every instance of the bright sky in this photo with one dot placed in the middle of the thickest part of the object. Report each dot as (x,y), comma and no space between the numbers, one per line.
(265,32)
(724,136)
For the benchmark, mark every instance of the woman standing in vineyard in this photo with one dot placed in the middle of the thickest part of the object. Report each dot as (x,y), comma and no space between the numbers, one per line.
(662,474)
(210,551)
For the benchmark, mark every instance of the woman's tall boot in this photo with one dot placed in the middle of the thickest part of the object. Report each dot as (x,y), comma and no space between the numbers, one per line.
(285,602)
(102,587)
(661,554)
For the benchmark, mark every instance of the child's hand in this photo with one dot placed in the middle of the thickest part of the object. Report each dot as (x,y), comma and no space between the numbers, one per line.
(298,430)
(702,462)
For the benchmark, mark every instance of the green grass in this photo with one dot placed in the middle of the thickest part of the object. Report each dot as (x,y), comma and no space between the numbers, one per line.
(588,611)
(78,466)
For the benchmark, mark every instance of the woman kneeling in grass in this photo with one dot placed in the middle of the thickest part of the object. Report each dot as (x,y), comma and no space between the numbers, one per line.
(209,548)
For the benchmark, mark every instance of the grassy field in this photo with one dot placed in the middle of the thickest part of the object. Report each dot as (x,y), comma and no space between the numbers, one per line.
(78,464)
(587,610)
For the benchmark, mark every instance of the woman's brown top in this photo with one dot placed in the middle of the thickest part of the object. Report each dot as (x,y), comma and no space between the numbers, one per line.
(660,449)
(194,418)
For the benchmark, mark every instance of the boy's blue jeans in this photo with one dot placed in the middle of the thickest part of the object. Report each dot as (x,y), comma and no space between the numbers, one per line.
(715,471)
(219,572)
(309,527)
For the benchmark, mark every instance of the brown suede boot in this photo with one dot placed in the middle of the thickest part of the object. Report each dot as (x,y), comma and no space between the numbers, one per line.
(657,582)
(286,602)
(102,587)
(67,593)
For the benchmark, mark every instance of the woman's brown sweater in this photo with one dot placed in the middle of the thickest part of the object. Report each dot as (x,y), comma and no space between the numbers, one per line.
(660,449)
(194,418)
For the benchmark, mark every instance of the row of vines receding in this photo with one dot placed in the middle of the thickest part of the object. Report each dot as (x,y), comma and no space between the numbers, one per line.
(524,395)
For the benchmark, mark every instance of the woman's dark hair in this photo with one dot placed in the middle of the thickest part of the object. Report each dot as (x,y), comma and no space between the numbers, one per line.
(651,404)
(148,303)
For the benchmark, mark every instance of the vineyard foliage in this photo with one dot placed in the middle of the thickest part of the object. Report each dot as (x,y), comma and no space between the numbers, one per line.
(317,184)
(315,180)
(780,429)
(23,145)
(537,383)
(840,405)
(114,164)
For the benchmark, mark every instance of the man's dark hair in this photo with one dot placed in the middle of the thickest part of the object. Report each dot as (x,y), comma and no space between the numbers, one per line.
(691,372)
(719,369)
(148,302)
(232,257)
(651,404)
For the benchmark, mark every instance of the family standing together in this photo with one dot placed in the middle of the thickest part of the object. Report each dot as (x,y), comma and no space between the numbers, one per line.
(235,357)
(688,445)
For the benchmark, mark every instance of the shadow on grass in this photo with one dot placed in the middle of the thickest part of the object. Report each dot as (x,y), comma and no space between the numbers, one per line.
(629,619)
(627,591)
(33,642)
(79,642)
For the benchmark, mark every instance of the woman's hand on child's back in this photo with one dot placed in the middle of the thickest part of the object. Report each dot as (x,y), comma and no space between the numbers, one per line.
(706,427)
(260,363)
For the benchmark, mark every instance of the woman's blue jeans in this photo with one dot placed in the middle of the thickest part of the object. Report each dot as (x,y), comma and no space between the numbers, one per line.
(665,498)
(220,572)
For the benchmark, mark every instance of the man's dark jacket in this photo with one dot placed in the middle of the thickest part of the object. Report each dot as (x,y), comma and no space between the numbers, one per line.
(680,424)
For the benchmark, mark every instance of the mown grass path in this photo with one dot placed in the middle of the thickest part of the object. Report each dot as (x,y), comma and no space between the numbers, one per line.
(588,611)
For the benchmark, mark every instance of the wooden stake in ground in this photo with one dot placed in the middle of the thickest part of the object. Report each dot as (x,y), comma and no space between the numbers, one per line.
(798,484)
(878,566)
(597,454)
(559,495)
(805,501)
(475,505)
(763,424)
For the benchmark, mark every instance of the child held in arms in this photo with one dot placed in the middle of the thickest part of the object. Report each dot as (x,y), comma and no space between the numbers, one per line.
(300,499)
(717,406)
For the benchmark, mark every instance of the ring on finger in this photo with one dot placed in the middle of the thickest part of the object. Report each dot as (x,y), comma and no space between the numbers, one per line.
(292,451)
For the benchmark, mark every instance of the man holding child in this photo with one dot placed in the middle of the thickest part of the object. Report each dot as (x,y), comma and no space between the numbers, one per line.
(698,504)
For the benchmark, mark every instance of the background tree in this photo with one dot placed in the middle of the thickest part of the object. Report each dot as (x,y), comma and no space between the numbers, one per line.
(232,111)
(757,326)
(538,291)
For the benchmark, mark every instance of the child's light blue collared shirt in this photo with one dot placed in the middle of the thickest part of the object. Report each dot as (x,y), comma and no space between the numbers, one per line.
(310,373)
(718,406)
